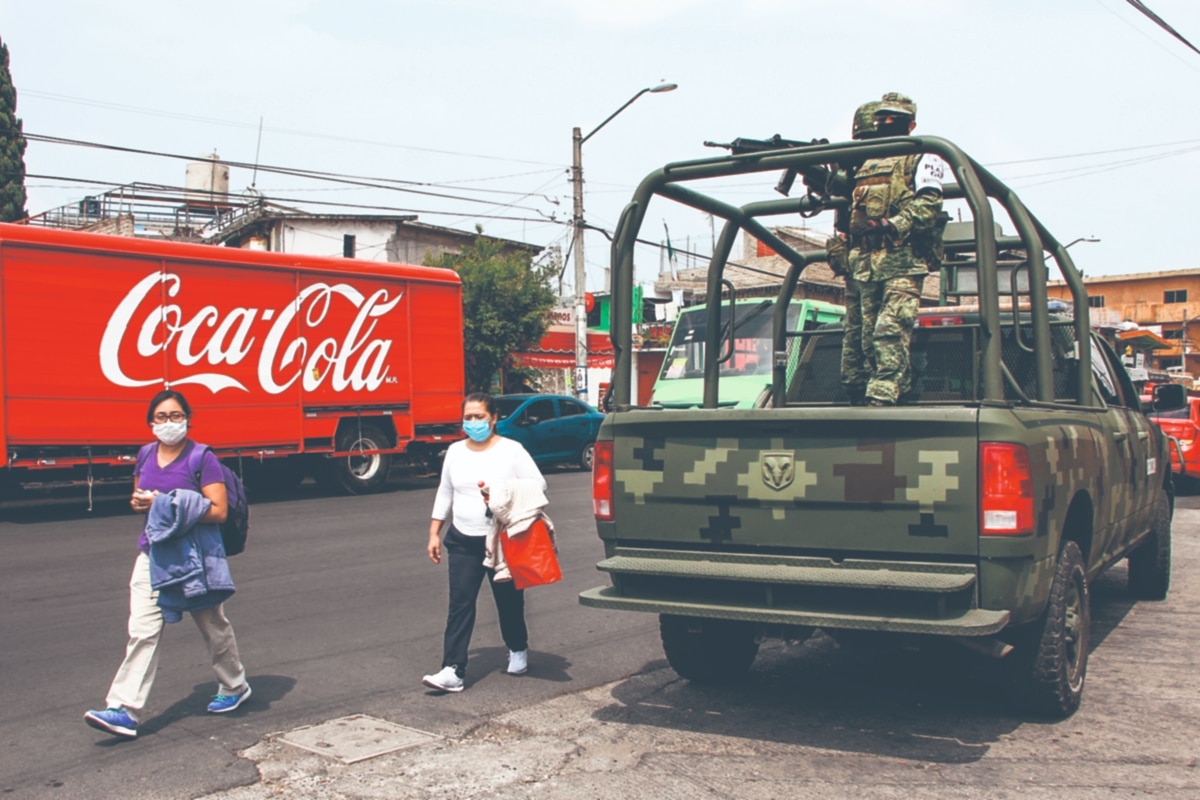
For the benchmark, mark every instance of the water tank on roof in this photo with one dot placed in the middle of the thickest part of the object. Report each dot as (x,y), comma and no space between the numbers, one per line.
(207,180)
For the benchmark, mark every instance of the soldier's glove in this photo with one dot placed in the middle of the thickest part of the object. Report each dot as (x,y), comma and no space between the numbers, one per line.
(882,227)
(874,227)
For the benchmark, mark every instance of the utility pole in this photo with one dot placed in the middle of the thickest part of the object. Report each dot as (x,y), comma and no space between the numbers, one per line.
(581,348)
(577,140)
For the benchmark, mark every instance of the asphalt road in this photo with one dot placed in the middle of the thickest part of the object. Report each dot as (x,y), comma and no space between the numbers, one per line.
(338,611)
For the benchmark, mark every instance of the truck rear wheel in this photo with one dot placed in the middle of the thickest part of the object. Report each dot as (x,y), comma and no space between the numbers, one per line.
(362,474)
(1150,563)
(707,650)
(1051,657)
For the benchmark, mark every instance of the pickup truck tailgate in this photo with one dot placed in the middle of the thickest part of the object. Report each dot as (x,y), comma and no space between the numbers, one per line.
(836,482)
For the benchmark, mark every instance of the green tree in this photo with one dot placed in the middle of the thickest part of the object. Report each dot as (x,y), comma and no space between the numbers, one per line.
(506,304)
(12,148)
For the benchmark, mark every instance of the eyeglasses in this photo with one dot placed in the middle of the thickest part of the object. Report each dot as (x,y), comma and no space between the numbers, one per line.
(174,416)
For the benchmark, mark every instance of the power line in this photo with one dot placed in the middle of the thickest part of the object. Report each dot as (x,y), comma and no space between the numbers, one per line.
(281,200)
(1093,153)
(390,184)
(1162,23)
(289,131)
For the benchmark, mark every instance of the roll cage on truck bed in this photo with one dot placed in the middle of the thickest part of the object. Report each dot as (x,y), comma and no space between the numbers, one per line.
(977,514)
(975,184)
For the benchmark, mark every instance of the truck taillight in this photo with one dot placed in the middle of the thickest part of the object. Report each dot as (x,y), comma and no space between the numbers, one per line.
(1005,490)
(602,481)
(939,320)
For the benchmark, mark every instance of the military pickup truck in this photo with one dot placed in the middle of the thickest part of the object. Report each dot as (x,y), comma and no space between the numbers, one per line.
(979,509)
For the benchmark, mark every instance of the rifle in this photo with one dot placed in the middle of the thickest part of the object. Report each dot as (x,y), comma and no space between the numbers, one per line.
(821,180)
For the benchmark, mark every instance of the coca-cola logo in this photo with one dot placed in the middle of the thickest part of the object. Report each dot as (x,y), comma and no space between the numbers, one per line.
(207,339)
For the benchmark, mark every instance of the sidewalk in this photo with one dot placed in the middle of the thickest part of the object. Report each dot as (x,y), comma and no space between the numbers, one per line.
(556,749)
(819,721)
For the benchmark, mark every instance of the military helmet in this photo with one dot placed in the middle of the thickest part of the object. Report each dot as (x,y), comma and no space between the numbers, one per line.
(864,120)
(896,103)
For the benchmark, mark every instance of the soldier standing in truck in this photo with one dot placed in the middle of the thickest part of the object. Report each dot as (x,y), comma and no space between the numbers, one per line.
(896,224)
(856,360)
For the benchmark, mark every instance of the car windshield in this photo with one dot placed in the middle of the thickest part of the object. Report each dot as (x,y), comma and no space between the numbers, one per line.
(505,406)
(751,342)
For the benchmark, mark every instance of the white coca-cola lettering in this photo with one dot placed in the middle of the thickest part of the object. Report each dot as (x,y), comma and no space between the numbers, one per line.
(357,361)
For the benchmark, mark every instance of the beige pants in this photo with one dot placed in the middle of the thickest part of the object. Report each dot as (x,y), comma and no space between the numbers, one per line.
(131,687)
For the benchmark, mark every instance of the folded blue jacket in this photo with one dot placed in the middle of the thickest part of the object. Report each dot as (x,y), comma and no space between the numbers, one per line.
(187,559)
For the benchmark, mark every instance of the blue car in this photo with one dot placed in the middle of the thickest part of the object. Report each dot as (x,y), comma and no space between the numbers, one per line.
(553,428)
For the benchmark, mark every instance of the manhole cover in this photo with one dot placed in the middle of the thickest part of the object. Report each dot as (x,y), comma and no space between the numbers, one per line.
(355,738)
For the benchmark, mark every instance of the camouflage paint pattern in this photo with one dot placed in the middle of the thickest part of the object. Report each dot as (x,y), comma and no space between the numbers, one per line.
(871,484)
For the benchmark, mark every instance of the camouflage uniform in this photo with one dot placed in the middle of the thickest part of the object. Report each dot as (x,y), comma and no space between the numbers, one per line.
(857,359)
(903,194)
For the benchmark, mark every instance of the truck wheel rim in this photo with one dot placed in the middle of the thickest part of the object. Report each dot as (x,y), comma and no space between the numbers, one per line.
(364,467)
(1074,631)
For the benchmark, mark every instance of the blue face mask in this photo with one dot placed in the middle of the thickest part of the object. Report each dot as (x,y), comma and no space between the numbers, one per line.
(478,429)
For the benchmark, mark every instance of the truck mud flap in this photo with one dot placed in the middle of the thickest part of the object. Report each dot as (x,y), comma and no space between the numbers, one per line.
(860,594)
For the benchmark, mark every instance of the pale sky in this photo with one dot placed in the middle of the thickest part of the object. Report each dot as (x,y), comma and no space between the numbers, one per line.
(1083,106)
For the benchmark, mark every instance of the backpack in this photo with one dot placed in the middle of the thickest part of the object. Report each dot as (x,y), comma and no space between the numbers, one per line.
(236,526)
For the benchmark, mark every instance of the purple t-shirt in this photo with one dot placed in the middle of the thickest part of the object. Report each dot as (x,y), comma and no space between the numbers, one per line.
(175,475)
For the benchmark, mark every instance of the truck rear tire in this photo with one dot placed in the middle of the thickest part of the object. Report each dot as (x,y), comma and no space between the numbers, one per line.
(1052,654)
(1150,563)
(362,474)
(707,650)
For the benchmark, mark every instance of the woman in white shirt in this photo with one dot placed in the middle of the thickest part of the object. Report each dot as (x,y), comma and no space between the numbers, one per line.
(470,466)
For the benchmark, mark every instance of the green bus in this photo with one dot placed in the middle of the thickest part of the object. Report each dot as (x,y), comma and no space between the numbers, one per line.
(746,374)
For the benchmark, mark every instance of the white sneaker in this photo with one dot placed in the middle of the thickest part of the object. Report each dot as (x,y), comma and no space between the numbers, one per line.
(446,680)
(518,662)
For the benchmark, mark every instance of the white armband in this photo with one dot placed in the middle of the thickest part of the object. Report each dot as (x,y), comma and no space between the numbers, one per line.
(931,173)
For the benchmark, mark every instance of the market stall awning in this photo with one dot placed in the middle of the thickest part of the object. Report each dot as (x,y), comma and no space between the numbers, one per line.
(556,350)
(1144,340)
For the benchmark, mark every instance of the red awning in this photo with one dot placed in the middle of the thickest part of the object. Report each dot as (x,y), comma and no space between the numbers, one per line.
(556,350)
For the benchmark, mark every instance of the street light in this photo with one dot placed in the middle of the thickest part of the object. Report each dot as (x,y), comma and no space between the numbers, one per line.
(1080,239)
(577,141)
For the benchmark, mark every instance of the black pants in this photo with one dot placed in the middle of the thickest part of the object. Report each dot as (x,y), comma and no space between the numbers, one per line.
(465,555)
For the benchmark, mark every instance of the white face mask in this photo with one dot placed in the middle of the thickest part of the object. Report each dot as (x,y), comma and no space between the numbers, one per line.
(170,433)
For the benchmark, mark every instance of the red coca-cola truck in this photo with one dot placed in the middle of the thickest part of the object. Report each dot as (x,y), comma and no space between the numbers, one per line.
(294,365)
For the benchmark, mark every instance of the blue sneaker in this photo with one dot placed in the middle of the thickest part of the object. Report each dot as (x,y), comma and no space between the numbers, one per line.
(113,720)
(228,702)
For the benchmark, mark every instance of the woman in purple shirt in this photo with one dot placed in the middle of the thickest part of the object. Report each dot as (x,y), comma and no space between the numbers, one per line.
(166,467)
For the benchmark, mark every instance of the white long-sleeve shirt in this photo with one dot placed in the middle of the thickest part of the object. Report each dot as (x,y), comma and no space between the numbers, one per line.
(463,469)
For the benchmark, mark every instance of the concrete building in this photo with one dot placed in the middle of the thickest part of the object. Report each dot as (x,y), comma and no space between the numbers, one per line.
(1167,303)
(397,239)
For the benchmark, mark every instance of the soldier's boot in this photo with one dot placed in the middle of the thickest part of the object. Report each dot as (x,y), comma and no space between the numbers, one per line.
(857,395)
(877,403)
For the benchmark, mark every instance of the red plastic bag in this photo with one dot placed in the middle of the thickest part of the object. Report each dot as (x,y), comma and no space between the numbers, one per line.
(530,556)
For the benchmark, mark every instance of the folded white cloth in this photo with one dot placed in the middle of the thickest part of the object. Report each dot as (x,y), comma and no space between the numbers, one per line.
(515,505)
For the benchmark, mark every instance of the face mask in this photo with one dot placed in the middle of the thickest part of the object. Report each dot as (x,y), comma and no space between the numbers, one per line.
(170,433)
(478,429)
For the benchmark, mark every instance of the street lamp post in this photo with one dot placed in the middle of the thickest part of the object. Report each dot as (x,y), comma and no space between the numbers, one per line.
(577,141)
